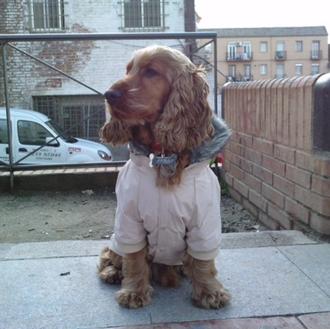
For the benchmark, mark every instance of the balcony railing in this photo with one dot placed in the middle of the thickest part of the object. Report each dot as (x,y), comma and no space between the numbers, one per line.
(280,55)
(243,57)
(316,55)
(280,75)
(239,78)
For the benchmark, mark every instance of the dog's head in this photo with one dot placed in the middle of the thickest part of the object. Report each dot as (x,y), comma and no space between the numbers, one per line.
(163,88)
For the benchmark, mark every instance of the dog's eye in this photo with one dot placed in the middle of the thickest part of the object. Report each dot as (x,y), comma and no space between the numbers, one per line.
(150,72)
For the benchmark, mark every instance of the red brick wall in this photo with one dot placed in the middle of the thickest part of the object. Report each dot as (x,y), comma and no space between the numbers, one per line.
(270,164)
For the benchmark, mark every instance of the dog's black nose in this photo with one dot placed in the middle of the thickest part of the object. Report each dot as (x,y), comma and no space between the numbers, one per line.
(112,96)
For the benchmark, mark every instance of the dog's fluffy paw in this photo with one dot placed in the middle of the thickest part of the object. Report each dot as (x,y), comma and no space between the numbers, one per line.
(111,275)
(212,299)
(134,299)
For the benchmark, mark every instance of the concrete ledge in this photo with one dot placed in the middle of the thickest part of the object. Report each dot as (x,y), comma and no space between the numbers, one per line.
(85,248)
(61,179)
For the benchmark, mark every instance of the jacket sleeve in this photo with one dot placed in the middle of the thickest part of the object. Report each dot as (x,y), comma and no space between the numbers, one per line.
(129,233)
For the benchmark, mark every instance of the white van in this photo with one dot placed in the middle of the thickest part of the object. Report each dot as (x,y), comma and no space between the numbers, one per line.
(32,129)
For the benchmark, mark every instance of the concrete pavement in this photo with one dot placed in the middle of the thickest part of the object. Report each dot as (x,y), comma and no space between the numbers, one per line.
(276,279)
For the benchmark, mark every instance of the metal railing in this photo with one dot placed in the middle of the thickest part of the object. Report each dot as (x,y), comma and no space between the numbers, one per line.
(7,40)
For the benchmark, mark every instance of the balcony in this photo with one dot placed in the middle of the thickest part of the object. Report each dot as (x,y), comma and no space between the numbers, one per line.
(280,55)
(240,57)
(316,55)
(239,78)
(280,75)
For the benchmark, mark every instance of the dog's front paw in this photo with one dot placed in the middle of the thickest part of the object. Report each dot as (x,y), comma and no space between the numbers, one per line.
(134,299)
(111,274)
(215,299)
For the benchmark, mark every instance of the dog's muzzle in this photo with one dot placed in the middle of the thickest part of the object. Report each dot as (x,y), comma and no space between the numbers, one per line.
(112,96)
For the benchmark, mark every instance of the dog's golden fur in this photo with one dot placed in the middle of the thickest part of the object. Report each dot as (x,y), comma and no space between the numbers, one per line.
(162,100)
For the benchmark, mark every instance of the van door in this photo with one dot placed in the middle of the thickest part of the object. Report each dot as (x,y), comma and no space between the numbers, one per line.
(4,150)
(31,135)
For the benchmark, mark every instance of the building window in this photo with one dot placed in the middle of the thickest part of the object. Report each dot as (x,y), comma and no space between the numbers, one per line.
(280,73)
(316,50)
(239,51)
(263,46)
(232,73)
(299,69)
(315,69)
(299,46)
(79,116)
(263,69)
(247,72)
(47,15)
(280,51)
(143,15)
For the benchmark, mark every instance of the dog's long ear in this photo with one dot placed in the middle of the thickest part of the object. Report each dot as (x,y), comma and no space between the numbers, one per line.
(115,132)
(186,119)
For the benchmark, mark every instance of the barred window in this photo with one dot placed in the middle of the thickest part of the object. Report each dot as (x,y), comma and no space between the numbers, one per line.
(143,15)
(79,116)
(47,15)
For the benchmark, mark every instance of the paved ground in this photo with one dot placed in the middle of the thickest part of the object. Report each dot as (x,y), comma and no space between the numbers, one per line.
(277,280)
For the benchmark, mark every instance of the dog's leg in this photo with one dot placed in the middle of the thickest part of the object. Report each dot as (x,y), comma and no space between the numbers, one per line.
(136,290)
(110,267)
(208,292)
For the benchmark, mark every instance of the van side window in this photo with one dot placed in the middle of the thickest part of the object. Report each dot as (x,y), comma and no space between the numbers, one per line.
(3,132)
(32,133)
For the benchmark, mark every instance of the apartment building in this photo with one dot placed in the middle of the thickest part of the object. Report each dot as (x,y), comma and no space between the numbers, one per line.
(246,54)
(98,64)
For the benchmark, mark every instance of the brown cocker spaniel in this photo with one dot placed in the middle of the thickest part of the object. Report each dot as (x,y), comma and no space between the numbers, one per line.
(168,199)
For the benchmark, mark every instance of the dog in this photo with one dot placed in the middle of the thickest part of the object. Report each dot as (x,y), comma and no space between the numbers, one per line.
(168,199)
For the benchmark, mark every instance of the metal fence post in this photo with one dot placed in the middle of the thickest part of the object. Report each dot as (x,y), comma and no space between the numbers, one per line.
(215,55)
(9,132)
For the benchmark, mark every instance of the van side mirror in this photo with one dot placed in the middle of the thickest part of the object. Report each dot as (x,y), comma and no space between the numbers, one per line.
(50,141)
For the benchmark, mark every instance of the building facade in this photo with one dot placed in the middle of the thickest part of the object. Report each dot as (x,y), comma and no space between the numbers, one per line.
(246,54)
(98,64)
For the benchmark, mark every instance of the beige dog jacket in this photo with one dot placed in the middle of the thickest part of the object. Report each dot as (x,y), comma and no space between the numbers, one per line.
(173,221)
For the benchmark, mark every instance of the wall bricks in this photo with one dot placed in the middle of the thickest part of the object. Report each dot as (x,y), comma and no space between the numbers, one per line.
(246,165)
(258,200)
(236,171)
(283,185)
(297,210)
(320,223)
(263,145)
(253,155)
(253,182)
(241,187)
(321,185)
(229,179)
(277,175)
(246,140)
(273,165)
(273,195)
(322,166)
(268,221)
(252,209)
(264,174)
(284,153)
(299,176)
(316,202)
(304,160)
(280,216)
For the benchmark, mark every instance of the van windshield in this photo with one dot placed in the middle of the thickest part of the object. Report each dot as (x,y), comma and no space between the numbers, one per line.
(60,132)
